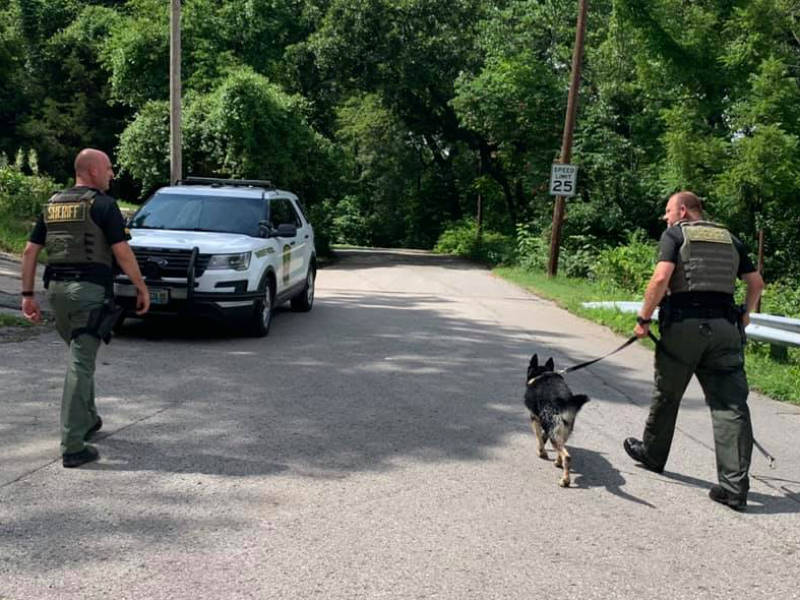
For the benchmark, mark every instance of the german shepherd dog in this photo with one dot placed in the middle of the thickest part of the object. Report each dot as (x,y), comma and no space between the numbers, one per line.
(553,409)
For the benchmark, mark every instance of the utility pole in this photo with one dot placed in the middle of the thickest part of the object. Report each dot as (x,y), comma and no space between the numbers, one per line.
(566,141)
(760,260)
(479,211)
(175,155)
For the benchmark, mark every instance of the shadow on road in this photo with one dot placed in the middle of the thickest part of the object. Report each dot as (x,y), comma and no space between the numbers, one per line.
(594,470)
(757,503)
(361,382)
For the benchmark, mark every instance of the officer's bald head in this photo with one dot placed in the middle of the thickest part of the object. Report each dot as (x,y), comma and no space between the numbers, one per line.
(93,169)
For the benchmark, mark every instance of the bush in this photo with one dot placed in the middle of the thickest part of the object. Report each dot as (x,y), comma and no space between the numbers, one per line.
(533,249)
(22,196)
(781,298)
(461,239)
(628,267)
(578,255)
(320,217)
(349,225)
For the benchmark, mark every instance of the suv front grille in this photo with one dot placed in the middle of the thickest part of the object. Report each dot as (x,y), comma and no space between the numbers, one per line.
(168,262)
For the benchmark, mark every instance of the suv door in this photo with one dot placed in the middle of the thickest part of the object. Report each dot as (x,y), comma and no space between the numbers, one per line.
(305,237)
(281,211)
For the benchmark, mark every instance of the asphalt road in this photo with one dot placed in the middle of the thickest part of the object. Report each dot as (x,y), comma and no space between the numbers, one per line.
(377,447)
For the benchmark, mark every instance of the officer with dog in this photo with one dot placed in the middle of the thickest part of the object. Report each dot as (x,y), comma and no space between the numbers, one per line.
(702,334)
(84,232)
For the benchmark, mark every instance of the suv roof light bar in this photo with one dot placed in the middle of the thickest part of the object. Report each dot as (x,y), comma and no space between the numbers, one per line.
(214,181)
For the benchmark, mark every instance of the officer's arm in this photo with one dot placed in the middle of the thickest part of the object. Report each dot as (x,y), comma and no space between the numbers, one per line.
(657,287)
(755,285)
(127,262)
(30,307)
(655,291)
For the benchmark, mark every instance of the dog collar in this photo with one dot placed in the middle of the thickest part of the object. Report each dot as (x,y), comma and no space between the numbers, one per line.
(559,372)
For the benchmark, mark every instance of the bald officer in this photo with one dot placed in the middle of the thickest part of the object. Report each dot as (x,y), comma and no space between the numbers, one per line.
(84,232)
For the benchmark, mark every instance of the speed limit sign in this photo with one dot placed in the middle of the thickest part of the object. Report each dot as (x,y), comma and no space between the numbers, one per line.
(563,180)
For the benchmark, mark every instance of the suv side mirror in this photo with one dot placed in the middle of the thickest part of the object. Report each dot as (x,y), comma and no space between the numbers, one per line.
(286,230)
(263,229)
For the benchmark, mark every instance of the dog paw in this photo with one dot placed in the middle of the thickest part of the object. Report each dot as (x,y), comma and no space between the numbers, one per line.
(543,454)
(558,464)
(564,482)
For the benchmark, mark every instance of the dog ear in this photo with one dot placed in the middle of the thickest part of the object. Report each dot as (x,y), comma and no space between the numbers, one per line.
(549,365)
(533,366)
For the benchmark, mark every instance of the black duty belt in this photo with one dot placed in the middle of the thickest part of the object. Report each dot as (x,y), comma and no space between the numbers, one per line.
(77,275)
(69,276)
(678,313)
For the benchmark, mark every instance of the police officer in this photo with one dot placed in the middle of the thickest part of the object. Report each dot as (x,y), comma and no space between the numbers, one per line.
(83,231)
(702,333)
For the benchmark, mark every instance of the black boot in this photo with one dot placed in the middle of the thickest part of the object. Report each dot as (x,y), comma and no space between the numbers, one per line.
(76,459)
(719,494)
(635,450)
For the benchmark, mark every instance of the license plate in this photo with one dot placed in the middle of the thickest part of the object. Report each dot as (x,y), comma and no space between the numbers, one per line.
(159,296)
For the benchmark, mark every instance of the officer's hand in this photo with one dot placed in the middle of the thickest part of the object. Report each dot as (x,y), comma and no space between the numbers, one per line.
(640,331)
(31,310)
(142,300)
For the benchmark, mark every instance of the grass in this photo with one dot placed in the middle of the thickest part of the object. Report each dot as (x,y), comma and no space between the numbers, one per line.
(7,320)
(13,234)
(777,380)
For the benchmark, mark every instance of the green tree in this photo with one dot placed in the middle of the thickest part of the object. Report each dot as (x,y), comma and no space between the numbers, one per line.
(247,127)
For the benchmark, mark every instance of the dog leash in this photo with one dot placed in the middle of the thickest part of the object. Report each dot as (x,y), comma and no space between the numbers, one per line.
(671,356)
(629,341)
(587,363)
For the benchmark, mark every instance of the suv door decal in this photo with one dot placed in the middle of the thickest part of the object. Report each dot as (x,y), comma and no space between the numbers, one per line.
(287,260)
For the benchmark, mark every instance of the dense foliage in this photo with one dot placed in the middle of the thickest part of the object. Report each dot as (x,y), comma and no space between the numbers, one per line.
(396,119)
(23,190)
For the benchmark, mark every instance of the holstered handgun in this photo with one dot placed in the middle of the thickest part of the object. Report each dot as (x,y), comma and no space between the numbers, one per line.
(101,321)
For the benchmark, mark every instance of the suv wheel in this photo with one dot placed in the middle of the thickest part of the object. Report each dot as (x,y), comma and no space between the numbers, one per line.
(262,314)
(305,299)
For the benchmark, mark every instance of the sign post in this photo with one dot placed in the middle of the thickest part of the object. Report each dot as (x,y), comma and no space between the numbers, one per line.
(566,141)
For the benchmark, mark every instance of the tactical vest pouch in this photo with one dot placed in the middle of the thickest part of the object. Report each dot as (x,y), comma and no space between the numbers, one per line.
(101,321)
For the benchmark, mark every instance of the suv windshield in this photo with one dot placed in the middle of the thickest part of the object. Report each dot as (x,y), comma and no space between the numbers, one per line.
(201,213)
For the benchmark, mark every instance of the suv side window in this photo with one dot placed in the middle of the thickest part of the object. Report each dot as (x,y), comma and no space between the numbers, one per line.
(281,211)
(302,209)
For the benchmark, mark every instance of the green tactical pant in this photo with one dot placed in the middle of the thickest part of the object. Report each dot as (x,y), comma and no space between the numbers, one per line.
(72,301)
(711,349)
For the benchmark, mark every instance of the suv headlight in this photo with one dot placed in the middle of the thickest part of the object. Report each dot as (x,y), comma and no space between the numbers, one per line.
(235,262)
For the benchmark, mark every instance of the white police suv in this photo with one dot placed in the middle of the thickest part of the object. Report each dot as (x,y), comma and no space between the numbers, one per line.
(222,248)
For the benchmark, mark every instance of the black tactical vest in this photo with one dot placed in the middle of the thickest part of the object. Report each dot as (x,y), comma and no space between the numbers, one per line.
(708,260)
(72,236)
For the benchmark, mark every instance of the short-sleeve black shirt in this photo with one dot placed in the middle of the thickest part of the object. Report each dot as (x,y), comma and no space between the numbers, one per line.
(109,219)
(669,249)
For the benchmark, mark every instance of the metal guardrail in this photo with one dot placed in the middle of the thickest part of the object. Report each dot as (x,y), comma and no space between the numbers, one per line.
(778,332)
